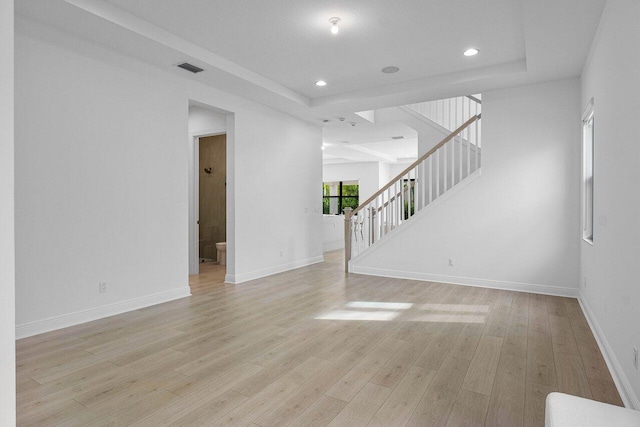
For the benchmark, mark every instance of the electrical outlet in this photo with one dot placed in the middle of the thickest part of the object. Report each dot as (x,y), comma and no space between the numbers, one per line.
(452,262)
(635,357)
(102,287)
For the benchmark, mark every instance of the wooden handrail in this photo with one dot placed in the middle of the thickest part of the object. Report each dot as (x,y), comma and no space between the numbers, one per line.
(417,162)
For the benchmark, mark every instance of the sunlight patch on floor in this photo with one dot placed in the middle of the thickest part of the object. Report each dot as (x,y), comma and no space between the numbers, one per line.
(383,305)
(358,315)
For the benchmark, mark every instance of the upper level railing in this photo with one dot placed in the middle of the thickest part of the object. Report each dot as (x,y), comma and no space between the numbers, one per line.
(449,162)
(449,113)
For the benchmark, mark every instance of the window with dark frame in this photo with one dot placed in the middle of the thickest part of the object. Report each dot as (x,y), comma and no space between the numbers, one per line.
(339,195)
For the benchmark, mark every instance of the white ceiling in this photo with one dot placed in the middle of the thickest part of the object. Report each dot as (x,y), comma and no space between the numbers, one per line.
(289,41)
(368,142)
(273,51)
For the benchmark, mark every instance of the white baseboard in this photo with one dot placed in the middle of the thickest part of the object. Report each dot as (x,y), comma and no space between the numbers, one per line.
(468,281)
(71,319)
(245,277)
(623,385)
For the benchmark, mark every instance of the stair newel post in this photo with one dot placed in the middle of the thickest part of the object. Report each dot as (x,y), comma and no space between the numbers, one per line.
(347,238)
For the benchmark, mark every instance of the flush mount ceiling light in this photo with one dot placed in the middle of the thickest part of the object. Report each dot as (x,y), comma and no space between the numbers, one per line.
(321,83)
(334,24)
(390,70)
(471,52)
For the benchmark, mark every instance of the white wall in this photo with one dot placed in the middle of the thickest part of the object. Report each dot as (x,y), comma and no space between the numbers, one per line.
(516,225)
(203,120)
(278,194)
(102,145)
(610,266)
(397,168)
(7,248)
(332,232)
(367,173)
(101,166)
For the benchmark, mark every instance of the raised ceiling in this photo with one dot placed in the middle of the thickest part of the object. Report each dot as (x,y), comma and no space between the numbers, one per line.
(290,43)
(369,142)
(273,51)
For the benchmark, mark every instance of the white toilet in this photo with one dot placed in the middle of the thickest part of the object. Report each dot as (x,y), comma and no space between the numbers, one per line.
(222,252)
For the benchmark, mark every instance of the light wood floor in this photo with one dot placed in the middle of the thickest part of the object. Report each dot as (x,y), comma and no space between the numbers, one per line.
(308,348)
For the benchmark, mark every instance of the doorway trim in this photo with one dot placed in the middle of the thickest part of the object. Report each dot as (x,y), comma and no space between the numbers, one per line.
(194,195)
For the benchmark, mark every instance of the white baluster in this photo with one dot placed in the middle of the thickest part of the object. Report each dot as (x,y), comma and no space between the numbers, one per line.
(453,161)
(397,205)
(446,167)
(417,187)
(475,124)
(430,178)
(460,154)
(401,199)
(438,173)
(468,154)
(388,210)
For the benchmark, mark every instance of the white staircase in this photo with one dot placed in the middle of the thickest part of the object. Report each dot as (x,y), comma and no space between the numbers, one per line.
(449,113)
(443,167)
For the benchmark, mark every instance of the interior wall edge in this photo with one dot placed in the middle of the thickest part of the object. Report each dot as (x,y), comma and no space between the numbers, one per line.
(621,381)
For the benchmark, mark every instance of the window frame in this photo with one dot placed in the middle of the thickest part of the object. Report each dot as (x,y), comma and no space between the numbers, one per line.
(340,195)
(588,172)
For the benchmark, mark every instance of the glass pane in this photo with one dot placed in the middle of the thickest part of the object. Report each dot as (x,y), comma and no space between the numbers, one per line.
(330,188)
(349,202)
(349,190)
(331,205)
(588,141)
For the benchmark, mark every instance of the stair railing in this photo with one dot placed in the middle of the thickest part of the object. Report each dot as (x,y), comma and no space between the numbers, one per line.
(449,113)
(450,161)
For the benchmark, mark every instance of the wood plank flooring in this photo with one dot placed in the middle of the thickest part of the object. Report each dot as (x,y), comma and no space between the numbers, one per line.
(315,347)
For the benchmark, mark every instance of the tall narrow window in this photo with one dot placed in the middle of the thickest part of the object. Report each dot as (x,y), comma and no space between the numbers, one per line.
(587,173)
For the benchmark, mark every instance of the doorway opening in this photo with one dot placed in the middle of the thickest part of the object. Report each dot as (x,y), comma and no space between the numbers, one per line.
(212,194)
(210,134)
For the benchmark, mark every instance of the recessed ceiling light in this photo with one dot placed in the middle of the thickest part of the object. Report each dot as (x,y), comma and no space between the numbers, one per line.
(390,70)
(471,52)
(321,83)
(334,24)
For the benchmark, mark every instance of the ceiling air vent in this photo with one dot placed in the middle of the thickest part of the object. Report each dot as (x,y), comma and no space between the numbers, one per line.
(190,67)
(397,137)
